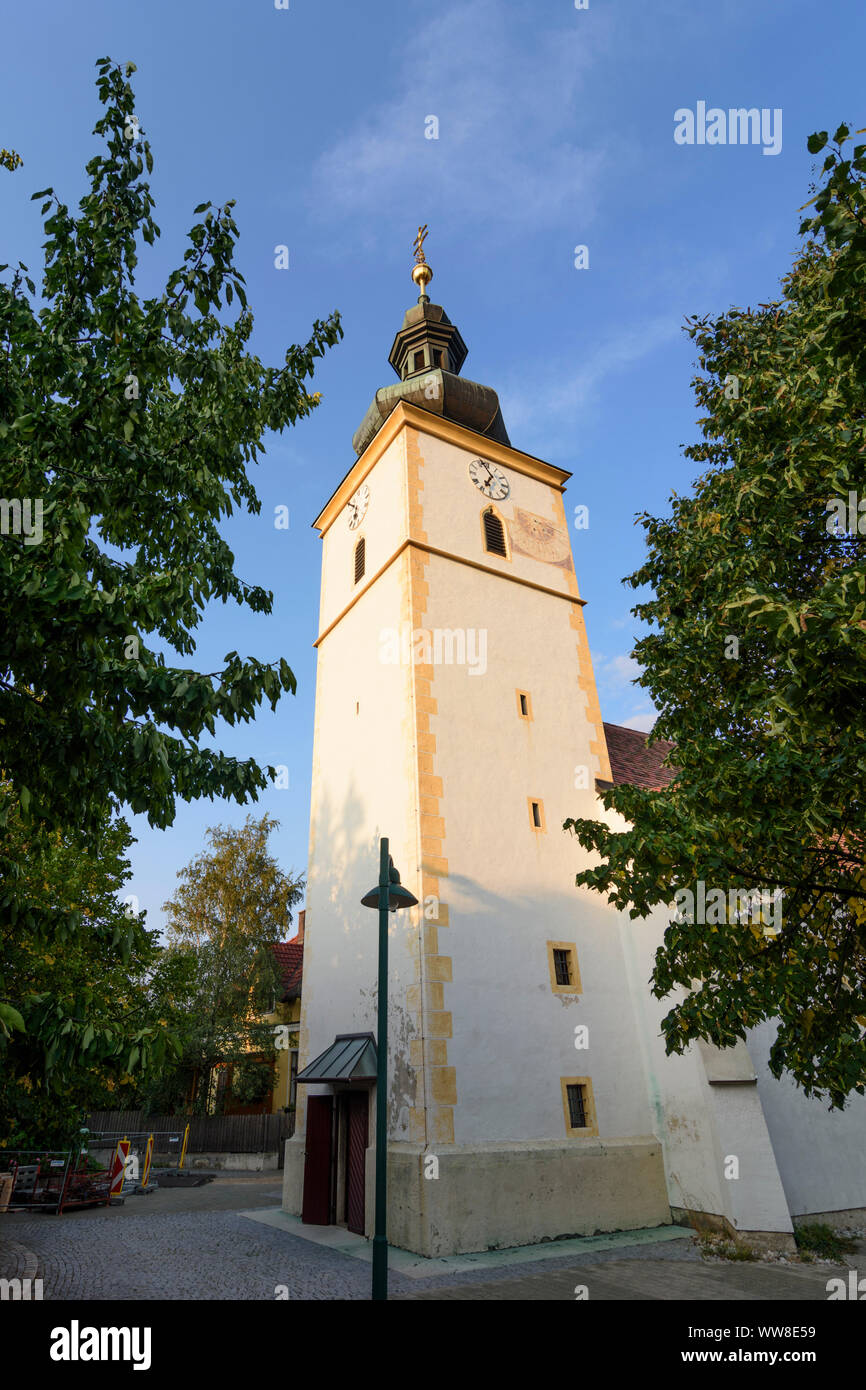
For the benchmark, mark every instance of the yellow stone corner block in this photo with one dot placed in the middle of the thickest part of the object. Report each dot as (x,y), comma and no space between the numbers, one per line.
(443,1085)
(438,967)
(441,1125)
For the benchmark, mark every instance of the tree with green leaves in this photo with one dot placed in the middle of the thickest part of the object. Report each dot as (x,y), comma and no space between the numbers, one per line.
(234,902)
(127,427)
(85,1024)
(757,665)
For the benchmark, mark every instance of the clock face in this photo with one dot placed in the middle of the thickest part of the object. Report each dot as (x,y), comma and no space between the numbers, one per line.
(357,506)
(489,479)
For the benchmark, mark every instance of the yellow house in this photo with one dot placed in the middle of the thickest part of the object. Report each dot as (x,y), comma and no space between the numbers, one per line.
(285,1017)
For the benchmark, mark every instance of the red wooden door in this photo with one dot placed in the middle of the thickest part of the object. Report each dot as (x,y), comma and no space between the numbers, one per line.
(357,1148)
(317,1163)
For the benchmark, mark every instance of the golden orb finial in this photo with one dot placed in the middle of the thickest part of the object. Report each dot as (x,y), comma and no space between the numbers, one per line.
(422,273)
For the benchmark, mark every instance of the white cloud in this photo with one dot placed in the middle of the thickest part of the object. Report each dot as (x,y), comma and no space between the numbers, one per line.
(508,114)
(548,394)
(615,676)
(643,721)
(615,673)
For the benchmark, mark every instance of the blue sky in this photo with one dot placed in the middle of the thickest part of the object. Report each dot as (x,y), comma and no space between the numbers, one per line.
(555,130)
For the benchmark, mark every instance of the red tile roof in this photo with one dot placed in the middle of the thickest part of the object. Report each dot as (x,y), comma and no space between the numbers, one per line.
(633,762)
(289,956)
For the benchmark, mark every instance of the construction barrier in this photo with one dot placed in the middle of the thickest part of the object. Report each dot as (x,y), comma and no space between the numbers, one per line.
(51,1180)
(134,1152)
(117,1170)
(6,1184)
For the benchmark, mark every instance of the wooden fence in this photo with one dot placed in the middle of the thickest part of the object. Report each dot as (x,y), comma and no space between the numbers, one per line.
(231,1134)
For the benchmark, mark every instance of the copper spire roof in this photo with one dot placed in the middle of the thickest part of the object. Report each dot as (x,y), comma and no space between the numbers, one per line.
(427,355)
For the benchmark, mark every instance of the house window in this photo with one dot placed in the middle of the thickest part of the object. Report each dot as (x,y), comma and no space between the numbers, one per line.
(563,967)
(360,559)
(536,813)
(578,1106)
(524,704)
(494,535)
(418,361)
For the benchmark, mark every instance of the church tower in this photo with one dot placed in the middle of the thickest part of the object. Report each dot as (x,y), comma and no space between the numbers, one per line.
(457,714)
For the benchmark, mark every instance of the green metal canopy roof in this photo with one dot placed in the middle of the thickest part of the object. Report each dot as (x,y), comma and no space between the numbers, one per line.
(351,1057)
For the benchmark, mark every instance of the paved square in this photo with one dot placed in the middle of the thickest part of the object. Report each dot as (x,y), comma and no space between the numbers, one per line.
(229,1240)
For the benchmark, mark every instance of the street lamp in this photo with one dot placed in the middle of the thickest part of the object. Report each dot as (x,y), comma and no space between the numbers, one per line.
(387,896)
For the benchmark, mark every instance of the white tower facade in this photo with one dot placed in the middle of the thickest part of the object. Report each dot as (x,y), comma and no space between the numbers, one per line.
(529,1093)
(456,713)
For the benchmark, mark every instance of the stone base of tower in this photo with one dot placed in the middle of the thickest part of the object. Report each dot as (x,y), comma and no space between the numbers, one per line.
(494,1196)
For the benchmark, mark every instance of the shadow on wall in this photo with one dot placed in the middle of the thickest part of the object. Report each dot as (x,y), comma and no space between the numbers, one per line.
(342,934)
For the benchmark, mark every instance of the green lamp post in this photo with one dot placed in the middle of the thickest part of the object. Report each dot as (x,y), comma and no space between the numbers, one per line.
(387,896)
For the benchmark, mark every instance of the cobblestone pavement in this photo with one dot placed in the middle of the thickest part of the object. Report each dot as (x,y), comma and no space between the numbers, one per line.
(193,1244)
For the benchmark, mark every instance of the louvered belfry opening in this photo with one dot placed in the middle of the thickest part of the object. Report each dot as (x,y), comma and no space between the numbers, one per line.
(494,534)
(360,559)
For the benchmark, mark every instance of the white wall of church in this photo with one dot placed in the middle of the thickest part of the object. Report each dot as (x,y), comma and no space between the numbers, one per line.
(821,1153)
(363,788)
(510,888)
(683,1115)
(703,1126)
(383,528)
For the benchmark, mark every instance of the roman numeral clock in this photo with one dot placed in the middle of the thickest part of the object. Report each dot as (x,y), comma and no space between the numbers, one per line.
(489,479)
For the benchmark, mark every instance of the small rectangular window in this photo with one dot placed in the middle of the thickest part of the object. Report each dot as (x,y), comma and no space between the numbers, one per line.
(418,362)
(524,704)
(360,559)
(562,967)
(536,815)
(577,1106)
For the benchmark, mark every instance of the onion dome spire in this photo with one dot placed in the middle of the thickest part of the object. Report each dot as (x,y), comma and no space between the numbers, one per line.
(427,355)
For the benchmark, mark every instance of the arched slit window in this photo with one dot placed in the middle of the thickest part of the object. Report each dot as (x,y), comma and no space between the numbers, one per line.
(360,559)
(494,534)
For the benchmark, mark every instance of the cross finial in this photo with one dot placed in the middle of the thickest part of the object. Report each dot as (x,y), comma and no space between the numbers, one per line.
(418,245)
(421,271)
